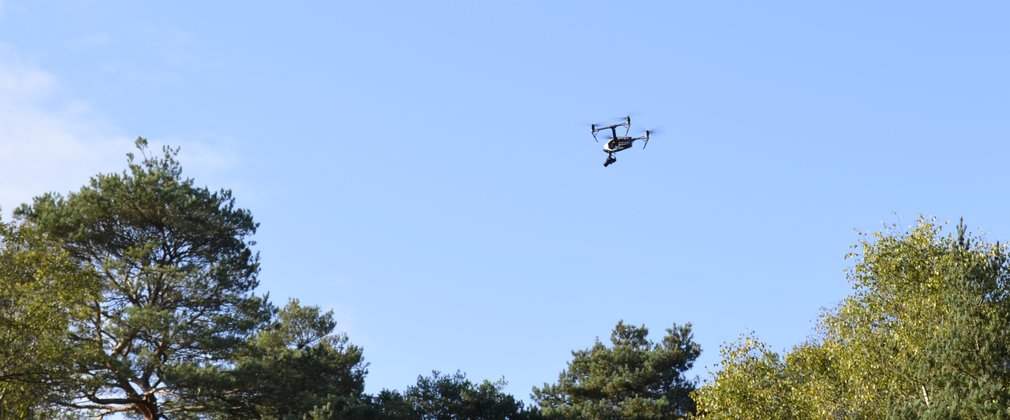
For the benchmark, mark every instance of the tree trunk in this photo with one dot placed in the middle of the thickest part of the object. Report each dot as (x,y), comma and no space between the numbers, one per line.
(148,410)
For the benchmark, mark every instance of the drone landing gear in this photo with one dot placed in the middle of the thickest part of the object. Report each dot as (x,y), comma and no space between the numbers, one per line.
(610,160)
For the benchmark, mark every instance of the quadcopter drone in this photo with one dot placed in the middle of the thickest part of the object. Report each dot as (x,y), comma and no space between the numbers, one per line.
(617,143)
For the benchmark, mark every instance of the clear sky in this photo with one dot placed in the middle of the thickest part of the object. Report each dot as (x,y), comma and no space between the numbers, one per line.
(425,169)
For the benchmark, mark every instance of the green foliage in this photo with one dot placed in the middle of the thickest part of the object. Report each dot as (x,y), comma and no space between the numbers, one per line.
(753,379)
(293,366)
(447,397)
(758,383)
(42,291)
(175,276)
(634,378)
(923,336)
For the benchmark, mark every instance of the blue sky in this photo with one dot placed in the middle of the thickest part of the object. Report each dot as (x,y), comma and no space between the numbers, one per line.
(425,169)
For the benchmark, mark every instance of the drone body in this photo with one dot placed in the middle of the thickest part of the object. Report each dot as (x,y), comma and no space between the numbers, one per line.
(618,143)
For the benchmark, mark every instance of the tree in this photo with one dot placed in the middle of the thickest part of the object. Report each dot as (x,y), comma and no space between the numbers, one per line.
(292,366)
(175,277)
(447,397)
(927,323)
(635,378)
(42,291)
(758,383)
(923,336)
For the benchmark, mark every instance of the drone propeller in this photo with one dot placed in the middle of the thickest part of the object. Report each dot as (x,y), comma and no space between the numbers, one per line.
(649,134)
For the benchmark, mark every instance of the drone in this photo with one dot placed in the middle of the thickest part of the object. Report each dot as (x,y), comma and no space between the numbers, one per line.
(617,143)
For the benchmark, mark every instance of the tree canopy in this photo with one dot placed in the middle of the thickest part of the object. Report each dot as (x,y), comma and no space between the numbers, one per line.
(923,336)
(447,397)
(293,365)
(35,273)
(633,378)
(175,275)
